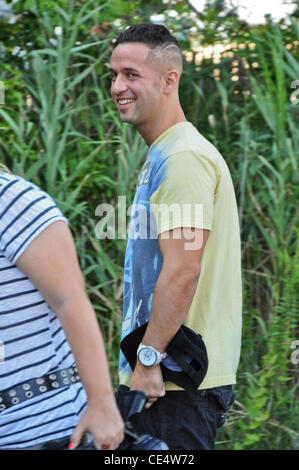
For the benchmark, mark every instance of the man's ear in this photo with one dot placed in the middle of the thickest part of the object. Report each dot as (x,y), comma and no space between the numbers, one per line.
(171,81)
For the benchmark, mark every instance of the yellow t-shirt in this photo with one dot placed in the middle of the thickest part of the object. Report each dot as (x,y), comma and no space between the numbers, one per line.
(185,182)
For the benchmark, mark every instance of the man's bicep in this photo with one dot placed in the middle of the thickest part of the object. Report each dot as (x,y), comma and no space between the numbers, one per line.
(183,246)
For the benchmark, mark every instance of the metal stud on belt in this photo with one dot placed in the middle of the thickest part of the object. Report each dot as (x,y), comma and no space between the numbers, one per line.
(26,390)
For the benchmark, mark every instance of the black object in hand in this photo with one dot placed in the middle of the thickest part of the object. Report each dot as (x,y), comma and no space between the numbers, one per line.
(131,403)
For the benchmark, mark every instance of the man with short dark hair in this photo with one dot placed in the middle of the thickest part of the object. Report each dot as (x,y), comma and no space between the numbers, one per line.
(182,261)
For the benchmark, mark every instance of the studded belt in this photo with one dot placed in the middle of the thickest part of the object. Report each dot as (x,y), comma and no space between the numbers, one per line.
(31,388)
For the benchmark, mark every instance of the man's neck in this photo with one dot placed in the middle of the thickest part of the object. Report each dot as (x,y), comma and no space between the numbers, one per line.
(150,131)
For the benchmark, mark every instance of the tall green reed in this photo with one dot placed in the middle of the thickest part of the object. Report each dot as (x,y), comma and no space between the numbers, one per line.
(268,193)
(46,128)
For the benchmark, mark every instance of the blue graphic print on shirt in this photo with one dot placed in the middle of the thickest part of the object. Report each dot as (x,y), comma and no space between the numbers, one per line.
(143,259)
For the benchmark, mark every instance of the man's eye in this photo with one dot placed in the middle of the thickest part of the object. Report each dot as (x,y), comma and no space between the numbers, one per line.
(112,76)
(132,75)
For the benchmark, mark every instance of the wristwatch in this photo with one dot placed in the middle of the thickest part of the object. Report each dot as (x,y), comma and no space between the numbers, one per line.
(149,356)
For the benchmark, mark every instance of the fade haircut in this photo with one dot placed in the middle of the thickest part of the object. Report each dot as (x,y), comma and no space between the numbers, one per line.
(163,46)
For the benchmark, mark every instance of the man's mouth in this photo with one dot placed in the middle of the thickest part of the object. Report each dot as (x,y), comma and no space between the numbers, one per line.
(123,101)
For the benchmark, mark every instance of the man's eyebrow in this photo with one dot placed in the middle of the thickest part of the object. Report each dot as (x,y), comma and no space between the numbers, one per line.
(126,69)
(130,69)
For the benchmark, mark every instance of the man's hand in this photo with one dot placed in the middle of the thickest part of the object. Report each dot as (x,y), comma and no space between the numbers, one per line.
(149,380)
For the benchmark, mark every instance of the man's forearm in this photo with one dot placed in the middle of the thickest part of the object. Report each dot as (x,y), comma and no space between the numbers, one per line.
(173,296)
(172,299)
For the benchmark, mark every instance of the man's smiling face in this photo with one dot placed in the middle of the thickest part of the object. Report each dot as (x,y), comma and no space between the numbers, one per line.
(136,84)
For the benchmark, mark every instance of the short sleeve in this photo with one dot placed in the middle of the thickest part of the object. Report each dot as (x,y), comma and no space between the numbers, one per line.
(25,211)
(185,197)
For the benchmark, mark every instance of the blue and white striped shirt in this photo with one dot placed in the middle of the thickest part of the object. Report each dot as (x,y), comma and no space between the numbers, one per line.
(32,340)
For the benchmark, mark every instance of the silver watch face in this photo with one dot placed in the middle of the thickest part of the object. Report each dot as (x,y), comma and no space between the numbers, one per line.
(147,356)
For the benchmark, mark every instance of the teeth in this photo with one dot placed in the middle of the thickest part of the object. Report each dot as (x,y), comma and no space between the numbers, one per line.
(126,101)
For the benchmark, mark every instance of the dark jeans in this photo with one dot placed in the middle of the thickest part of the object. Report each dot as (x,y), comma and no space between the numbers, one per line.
(187,420)
(184,420)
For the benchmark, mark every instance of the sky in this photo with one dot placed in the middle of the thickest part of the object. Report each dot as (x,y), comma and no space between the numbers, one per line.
(253,11)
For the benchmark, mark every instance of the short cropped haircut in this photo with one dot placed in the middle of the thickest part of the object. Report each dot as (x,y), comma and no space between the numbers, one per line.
(163,46)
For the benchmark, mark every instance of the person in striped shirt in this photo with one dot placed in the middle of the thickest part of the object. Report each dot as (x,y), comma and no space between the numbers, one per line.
(48,331)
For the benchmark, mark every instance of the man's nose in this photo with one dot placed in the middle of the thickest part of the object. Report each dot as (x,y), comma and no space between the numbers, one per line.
(118,85)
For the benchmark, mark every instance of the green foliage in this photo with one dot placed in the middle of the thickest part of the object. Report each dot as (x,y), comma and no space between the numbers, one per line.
(60,130)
